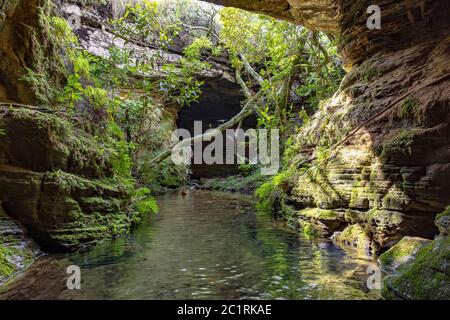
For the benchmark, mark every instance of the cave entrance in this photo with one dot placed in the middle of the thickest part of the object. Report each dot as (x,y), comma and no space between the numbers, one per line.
(220,101)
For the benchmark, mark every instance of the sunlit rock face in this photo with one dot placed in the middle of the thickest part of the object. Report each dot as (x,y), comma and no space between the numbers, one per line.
(314,14)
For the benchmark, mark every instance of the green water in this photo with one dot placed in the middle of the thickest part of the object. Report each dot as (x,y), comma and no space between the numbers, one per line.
(205,245)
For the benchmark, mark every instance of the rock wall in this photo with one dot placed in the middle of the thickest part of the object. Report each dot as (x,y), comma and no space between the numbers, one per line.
(392,175)
(55,180)
(314,14)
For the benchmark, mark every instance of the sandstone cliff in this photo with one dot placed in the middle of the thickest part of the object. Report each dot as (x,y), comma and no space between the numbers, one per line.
(391,177)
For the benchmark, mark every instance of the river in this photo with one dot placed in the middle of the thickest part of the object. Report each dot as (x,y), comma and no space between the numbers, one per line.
(203,245)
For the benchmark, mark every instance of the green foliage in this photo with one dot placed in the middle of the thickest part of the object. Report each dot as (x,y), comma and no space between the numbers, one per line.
(72,92)
(281,54)
(2,132)
(119,151)
(142,203)
(142,21)
(445,213)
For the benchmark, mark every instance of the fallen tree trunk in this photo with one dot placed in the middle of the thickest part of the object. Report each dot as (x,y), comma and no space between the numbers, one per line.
(246,111)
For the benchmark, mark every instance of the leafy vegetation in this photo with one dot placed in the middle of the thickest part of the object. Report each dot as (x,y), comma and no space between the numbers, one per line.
(284,59)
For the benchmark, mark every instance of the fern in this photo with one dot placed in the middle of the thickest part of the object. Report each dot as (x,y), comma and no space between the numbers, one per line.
(143,203)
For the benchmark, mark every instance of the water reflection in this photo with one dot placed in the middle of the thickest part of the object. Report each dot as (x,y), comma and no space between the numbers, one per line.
(205,245)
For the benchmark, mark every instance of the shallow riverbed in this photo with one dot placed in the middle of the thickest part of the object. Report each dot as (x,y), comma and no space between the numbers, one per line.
(204,245)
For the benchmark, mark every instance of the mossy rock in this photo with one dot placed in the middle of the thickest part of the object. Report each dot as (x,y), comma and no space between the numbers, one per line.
(16,251)
(443,221)
(402,253)
(354,236)
(320,214)
(426,277)
(46,142)
(309,229)
(322,222)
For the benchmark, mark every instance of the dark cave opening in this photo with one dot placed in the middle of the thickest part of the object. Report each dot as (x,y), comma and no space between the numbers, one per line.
(220,101)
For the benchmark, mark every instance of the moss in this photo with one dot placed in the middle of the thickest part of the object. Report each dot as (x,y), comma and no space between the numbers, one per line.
(400,141)
(395,199)
(307,228)
(426,277)
(317,185)
(319,214)
(409,109)
(359,195)
(354,236)
(444,214)
(402,253)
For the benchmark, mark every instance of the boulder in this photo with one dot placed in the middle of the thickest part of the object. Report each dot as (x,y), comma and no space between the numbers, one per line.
(354,236)
(402,253)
